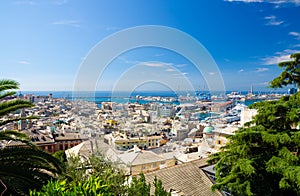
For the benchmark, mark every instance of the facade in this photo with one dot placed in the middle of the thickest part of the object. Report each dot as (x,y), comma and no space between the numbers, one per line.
(121,141)
(67,140)
(221,107)
(140,161)
(247,114)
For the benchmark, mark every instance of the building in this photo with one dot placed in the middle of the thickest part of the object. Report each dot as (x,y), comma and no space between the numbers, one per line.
(141,161)
(221,107)
(64,141)
(166,111)
(122,141)
(247,115)
(87,148)
(184,179)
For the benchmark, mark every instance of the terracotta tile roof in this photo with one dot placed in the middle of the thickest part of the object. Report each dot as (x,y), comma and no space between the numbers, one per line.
(187,179)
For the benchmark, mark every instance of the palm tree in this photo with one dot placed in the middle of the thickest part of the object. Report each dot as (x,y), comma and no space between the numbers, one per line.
(21,167)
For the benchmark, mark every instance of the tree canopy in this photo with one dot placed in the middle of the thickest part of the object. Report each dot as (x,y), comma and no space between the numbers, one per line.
(263,158)
(97,176)
(290,73)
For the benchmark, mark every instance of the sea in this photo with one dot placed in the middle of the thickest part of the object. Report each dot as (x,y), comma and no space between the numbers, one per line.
(124,97)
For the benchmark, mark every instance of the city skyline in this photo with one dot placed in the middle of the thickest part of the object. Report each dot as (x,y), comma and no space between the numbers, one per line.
(44,43)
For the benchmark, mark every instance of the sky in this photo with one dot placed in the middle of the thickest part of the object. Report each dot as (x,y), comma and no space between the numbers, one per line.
(45,44)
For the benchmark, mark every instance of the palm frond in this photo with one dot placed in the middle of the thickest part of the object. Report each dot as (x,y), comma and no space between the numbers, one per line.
(4,122)
(7,94)
(15,136)
(23,168)
(13,105)
(6,84)
(39,159)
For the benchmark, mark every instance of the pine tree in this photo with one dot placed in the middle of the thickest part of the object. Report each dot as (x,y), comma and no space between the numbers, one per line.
(264,158)
(290,74)
(139,187)
(159,189)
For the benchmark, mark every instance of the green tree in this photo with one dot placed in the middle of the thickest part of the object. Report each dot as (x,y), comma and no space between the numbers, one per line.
(97,176)
(93,176)
(91,186)
(60,155)
(290,73)
(21,167)
(263,158)
(8,105)
(159,189)
(139,187)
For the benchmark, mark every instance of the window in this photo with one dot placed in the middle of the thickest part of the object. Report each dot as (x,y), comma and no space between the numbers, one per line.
(143,167)
(154,165)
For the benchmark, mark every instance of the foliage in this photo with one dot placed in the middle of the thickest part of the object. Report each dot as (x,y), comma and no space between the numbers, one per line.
(92,186)
(60,155)
(80,170)
(159,189)
(290,74)
(97,176)
(263,158)
(22,167)
(139,187)
(89,172)
(8,105)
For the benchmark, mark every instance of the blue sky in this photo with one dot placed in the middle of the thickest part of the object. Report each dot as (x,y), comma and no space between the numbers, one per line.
(43,43)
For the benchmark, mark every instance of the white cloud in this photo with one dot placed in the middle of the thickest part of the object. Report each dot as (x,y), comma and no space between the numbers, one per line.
(273,21)
(295,34)
(155,64)
(263,84)
(246,1)
(73,23)
(181,65)
(263,69)
(212,73)
(279,57)
(170,70)
(241,70)
(24,62)
(296,46)
(277,3)
(24,3)
(272,60)
(180,75)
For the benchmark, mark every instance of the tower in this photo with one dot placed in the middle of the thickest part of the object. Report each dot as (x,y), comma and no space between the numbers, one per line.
(22,123)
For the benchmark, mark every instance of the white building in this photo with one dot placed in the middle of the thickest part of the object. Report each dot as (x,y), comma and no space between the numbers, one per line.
(247,115)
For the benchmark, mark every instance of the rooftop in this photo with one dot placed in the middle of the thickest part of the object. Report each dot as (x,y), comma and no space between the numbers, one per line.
(185,179)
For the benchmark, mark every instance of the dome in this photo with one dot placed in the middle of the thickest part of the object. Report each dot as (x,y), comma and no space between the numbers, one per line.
(208,129)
